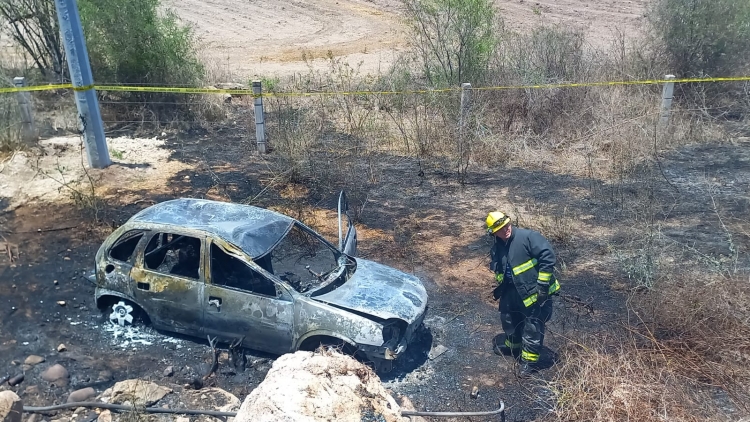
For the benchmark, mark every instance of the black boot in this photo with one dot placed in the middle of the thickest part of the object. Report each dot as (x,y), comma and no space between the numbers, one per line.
(527,369)
(501,349)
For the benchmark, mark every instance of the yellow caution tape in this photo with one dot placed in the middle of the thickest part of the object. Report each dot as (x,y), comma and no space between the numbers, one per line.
(84,88)
(191,90)
(36,88)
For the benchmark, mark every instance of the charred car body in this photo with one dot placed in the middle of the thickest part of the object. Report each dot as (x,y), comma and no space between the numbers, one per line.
(206,268)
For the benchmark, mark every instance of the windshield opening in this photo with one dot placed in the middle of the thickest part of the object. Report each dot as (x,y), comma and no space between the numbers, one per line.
(304,260)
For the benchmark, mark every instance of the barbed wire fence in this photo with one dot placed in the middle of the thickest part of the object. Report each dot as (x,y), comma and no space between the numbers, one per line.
(425,123)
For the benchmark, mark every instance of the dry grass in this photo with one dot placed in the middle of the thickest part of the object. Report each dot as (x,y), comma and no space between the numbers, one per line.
(685,348)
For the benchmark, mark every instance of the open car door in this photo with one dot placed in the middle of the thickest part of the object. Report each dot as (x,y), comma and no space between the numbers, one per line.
(348,242)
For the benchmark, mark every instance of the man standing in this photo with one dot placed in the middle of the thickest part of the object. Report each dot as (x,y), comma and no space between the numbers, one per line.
(523,263)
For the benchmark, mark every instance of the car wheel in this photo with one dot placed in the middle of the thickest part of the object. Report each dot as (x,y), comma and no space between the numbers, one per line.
(122,313)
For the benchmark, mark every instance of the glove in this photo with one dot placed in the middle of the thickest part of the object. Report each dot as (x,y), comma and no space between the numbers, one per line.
(542,293)
(497,292)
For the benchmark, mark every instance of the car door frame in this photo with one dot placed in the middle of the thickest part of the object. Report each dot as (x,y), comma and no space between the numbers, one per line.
(175,303)
(118,275)
(348,243)
(266,323)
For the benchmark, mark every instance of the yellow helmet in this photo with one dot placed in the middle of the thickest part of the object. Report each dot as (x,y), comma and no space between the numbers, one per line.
(496,220)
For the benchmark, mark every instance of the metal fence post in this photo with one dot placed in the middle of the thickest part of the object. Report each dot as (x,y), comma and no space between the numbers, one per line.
(29,133)
(89,115)
(260,123)
(666,102)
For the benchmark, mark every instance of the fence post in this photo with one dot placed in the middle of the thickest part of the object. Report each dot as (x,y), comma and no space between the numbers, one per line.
(666,102)
(28,129)
(462,122)
(260,123)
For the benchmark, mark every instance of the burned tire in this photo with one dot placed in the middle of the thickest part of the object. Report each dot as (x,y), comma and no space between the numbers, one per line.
(318,343)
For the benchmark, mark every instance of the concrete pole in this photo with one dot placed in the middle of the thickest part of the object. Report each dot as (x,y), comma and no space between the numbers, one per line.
(463,147)
(465,102)
(666,102)
(28,129)
(89,116)
(260,123)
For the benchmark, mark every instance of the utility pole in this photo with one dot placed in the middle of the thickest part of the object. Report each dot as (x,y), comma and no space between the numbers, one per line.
(89,116)
(260,121)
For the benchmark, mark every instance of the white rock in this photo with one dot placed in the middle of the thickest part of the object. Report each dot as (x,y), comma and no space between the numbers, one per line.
(136,391)
(33,360)
(56,374)
(61,347)
(437,351)
(313,387)
(210,398)
(11,407)
(105,416)
(81,395)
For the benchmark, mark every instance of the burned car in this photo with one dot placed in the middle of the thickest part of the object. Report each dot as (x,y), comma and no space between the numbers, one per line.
(239,272)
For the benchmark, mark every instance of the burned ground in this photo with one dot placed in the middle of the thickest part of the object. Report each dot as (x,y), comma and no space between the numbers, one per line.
(424,223)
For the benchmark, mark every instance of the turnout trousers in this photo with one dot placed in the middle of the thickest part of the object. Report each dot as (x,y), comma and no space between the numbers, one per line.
(524,327)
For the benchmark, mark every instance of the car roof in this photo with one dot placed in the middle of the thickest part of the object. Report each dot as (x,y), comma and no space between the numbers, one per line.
(255,230)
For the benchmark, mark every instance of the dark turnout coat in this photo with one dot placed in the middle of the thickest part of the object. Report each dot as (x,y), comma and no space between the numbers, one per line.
(531,259)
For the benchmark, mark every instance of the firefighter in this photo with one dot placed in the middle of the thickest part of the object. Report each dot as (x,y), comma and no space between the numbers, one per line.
(523,262)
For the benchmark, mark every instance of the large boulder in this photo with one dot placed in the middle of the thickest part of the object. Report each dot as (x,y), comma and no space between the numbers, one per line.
(11,407)
(321,386)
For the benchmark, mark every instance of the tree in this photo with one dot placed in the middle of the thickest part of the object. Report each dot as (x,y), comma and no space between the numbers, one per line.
(33,25)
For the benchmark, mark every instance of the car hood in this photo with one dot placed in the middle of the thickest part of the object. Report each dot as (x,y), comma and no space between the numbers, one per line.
(379,290)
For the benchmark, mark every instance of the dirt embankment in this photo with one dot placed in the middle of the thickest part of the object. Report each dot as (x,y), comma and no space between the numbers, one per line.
(268,38)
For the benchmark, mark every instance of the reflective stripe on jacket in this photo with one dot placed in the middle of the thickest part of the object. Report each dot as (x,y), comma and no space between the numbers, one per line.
(532,259)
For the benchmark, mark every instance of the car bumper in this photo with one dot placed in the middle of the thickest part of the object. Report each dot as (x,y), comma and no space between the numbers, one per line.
(393,353)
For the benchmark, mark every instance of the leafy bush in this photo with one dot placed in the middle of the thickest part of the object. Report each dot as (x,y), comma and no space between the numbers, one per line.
(134,42)
(127,41)
(702,37)
(453,40)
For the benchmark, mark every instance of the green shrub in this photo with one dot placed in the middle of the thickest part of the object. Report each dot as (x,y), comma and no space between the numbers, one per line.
(128,41)
(702,37)
(453,40)
(135,42)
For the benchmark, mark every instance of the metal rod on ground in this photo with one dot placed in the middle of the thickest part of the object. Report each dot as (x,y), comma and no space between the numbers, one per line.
(28,129)
(260,123)
(500,411)
(89,115)
(127,408)
(28,409)
(666,102)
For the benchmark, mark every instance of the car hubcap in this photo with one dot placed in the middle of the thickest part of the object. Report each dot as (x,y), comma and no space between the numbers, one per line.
(121,314)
